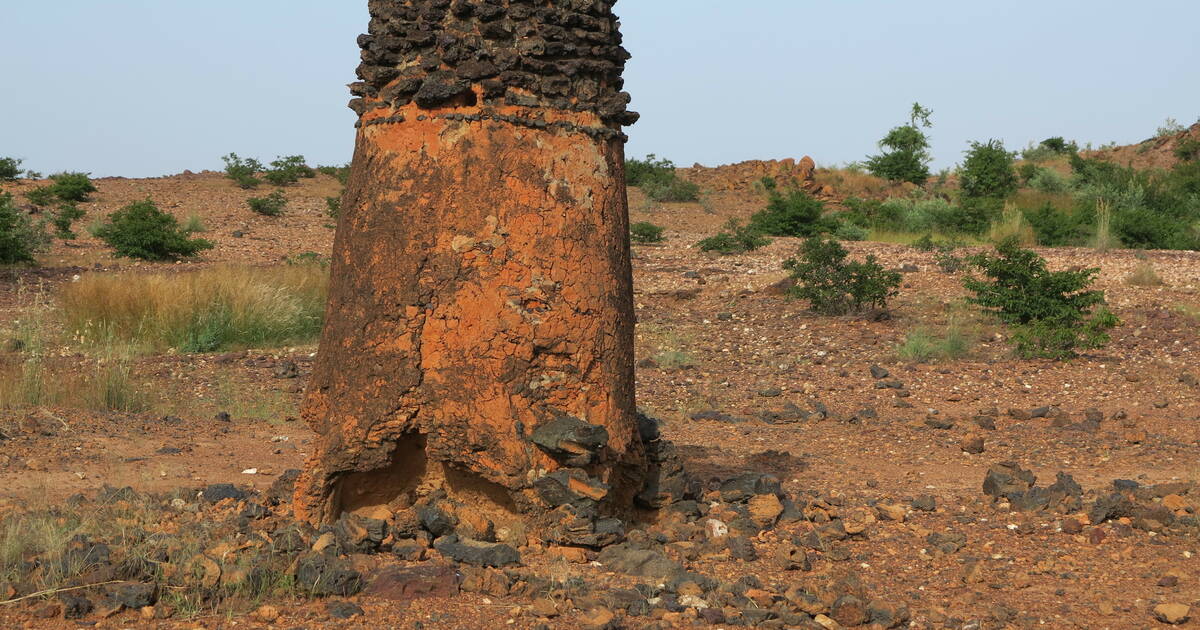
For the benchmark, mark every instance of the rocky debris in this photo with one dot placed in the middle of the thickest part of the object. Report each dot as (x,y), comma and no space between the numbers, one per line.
(1007,478)
(638,560)
(343,610)
(287,370)
(570,439)
(221,491)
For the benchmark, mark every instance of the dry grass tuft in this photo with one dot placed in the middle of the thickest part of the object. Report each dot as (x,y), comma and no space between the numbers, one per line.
(1144,275)
(1012,224)
(204,311)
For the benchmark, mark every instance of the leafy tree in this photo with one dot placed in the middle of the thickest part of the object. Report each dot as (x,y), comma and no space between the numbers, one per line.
(836,287)
(907,156)
(289,170)
(10,169)
(988,171)
(242,171)
(141,230)
(1052,313)
(20,237)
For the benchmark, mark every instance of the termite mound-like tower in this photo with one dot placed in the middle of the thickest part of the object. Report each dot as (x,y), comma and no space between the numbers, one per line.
(478,345)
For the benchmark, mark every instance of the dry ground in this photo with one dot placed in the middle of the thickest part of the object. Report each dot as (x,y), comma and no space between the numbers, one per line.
(713,335)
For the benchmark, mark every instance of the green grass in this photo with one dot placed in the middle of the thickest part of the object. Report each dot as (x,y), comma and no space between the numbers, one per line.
(1144,275)
(898,237)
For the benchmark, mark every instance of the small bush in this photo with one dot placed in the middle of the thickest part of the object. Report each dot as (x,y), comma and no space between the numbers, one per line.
(734,239)
(20,237)
(41,197)
(1169,128)
(1049,181)
(834,286)
(341,173)
(202,311)
(850,232)
(10,169)
(946,261)
(194,224)
(795,214)
(1104,239)
(646,232)
(288,170)
(242,171)
(1188,149)
(1055,228)
(271,206)
(988,171)
(659,181)
(1051,313)
(333,206)
(1144,275)
(72,186)
(141,230)
(67,214)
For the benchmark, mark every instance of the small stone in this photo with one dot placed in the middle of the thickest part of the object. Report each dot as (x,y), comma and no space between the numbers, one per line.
(714,528)
(597,618)
(924,503)
(879,373)
(765,509)
(891,512)
(791,558)
(1174,614)
(343,610)
(1072,526)
(544,607)
(972,444)
(267,613)
(1168,581)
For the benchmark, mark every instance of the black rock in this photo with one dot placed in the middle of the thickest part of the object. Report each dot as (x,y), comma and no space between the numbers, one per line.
(440,88)
(879,373)
(740,548)
(1125,485)
(479,554)
(746,486)
(222,417)
(632,560)
(220,491)
(924,503)
(343,610)
(1113,506)
(985,422)
(435,521)
(325,576)
(75,606)
(570,439)
(135,596)
(1007,478)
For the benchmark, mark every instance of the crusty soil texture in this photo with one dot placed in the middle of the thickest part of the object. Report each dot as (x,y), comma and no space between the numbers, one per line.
(881,505)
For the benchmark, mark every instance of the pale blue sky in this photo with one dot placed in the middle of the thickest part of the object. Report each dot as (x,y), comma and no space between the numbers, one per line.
(153,87)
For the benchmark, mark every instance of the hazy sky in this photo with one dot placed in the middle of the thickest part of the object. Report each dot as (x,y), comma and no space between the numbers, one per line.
(152,87)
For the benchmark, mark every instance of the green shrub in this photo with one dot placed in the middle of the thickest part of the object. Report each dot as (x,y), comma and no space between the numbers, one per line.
(850,232)
(1027,172)
(946,261)
(734,239)
(272,205)
(1188,149)
(1051,313)
(288,170)
(1055,228)
(141,230)
(659,181)
(72,186)
(341,173)
(1169,128)
(834,286)
(971,216)
(907,156)
(67,214)
(194,224)
(41,197)
(333,206)
(1049,181)
(795,214)
(10,169)
(988,171)
(646,232)
(20,237)
(242,171)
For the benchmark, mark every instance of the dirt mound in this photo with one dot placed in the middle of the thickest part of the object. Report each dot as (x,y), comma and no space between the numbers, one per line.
(742,177)
(1153,153)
